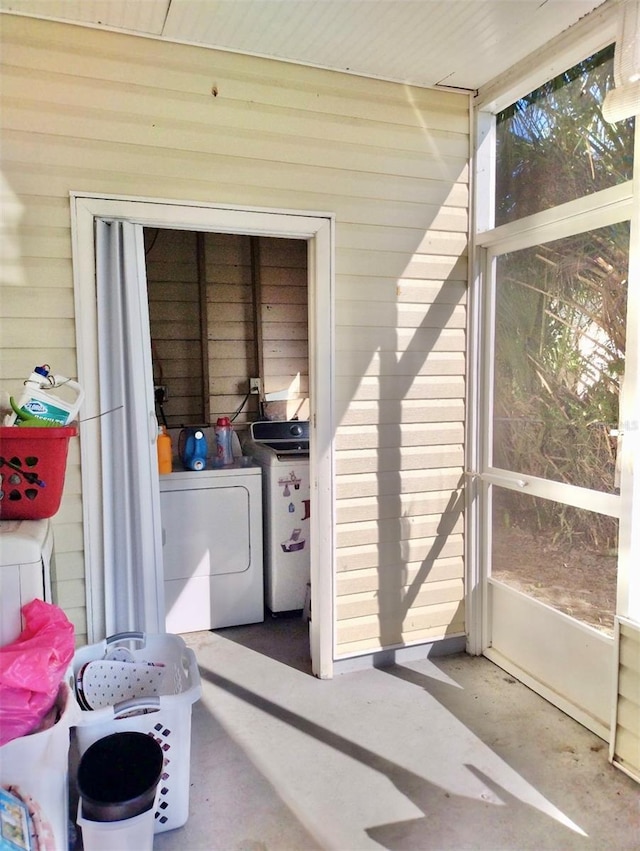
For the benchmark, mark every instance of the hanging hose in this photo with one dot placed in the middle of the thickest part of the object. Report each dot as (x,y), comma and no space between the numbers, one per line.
(159,399)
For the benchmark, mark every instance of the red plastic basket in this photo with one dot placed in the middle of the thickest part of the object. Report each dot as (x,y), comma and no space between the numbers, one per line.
(33,463)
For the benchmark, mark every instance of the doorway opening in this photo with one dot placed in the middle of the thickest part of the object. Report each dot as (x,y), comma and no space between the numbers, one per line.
(228,317)
(316,232)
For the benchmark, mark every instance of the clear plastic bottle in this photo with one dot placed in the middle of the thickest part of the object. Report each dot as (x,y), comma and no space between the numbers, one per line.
(165,451)
(224,449)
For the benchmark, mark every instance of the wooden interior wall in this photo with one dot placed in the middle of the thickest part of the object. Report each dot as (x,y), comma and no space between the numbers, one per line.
(285,324)
(174,313)
(174,317)
(230,325)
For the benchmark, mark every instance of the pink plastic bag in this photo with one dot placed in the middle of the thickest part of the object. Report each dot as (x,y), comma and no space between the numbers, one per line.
(32,668)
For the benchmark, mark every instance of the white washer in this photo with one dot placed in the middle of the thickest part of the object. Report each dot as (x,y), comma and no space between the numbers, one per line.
(212,547)
(282,450)
(26,552)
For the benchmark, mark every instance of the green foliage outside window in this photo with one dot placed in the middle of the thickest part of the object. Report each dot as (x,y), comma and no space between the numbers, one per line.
(561,306)
(553,145)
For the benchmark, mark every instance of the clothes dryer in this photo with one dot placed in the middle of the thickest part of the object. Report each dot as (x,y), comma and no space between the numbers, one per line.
(212,547)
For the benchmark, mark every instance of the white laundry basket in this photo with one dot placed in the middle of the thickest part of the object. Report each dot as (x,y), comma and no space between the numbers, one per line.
(166,716)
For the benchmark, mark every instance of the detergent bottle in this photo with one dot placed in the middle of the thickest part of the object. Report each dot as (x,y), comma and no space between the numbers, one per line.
(194,455)
(224,448)
(39,399)
(165,451)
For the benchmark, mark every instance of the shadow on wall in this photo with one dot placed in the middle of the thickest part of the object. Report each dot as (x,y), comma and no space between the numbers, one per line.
(403,567)
(395,599)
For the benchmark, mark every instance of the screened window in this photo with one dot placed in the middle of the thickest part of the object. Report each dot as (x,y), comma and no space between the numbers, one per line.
(553,145)
(559,357)
(554,334)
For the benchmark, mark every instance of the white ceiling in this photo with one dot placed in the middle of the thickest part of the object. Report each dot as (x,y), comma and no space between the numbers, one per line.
(462,43)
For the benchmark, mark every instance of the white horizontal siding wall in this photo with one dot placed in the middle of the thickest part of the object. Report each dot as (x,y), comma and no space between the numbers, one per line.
(109,113)
(625,735)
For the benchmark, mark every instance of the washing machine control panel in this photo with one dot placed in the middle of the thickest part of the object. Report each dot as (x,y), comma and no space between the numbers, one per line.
(284,436)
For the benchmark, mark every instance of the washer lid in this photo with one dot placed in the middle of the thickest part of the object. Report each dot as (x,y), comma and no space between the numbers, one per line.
(23,541)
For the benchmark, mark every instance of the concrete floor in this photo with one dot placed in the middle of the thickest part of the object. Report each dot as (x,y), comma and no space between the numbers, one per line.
(446,753)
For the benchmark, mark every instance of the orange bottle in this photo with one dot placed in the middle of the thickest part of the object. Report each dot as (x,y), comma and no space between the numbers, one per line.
(165,451)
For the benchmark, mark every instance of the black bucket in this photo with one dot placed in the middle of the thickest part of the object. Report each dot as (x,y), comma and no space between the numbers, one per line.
(118,776)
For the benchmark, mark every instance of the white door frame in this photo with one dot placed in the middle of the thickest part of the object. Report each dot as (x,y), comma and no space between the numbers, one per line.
(318,230)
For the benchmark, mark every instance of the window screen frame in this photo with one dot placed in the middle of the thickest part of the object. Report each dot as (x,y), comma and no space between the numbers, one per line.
(618,203)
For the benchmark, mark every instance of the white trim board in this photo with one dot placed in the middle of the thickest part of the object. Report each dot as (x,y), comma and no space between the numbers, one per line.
(531,641)
(591,33)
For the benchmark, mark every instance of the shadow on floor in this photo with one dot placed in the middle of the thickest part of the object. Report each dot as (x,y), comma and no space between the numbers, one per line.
(446,753)
(452,817)
(441,753)
(284,639)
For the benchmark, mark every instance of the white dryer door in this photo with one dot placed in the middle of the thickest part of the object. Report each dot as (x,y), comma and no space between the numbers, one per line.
(206,531)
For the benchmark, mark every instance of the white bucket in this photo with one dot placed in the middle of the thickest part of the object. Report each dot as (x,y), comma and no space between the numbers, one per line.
(131,834)
(37,766)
